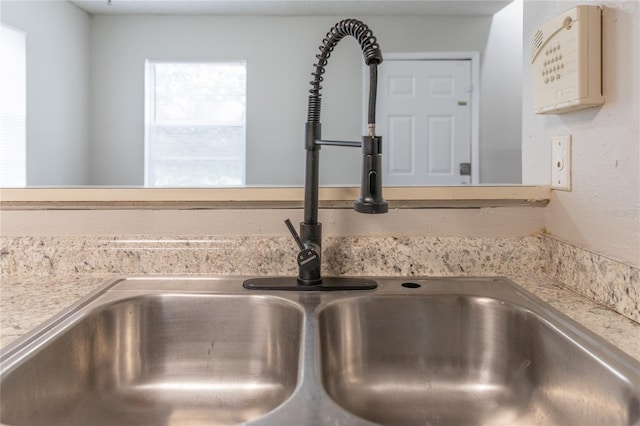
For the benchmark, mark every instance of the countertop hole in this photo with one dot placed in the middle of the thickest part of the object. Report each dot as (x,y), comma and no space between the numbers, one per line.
(410,285)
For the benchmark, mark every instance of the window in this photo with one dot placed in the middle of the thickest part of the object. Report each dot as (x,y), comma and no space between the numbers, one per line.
(13,108)
(195,123)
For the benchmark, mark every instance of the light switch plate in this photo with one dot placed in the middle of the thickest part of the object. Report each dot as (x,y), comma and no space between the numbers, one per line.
(561,163)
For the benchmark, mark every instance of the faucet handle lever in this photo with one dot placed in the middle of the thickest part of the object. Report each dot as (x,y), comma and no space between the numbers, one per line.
(294,234)
(308,258)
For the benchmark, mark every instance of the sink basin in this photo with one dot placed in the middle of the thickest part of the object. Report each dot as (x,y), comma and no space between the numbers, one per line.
(205,351)
(464,360)
(160,359)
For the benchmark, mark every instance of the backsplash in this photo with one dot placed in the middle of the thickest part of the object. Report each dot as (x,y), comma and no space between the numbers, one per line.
(597,277)
(604,280)
(258,255)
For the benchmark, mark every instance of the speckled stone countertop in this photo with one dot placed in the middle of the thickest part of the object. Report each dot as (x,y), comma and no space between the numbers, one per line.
(27,302)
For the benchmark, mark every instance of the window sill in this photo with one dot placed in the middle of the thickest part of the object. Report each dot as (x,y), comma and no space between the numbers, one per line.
(266,197)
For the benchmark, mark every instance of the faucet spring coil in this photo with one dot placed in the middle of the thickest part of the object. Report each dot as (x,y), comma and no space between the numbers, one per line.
(370,49)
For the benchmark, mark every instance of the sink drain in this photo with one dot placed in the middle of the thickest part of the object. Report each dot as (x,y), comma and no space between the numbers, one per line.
(410,285)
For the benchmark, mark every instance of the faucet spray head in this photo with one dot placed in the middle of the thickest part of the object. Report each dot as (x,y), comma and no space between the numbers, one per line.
(371,200)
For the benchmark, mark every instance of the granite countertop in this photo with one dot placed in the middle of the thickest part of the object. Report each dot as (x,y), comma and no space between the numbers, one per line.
(27,302)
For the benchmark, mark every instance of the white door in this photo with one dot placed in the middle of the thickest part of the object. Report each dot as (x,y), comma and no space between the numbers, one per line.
(424,117)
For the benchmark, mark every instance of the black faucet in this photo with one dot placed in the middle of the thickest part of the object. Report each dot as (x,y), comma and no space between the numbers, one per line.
(310,239)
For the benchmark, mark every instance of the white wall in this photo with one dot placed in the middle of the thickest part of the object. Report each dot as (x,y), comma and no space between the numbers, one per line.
(602,212)
(501,99)
(57,89)
(506,222)
(280,53)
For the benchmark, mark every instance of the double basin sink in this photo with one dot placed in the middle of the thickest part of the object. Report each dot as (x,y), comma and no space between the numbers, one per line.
(206,351)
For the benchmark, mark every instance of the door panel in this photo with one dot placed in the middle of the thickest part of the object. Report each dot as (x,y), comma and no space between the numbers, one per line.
(424,117)
(440,145)
(401,141)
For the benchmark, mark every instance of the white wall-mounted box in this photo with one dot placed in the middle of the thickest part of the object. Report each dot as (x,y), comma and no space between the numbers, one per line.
(566,57)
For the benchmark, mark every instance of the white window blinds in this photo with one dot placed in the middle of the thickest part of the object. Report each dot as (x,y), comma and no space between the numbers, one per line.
(195,123)
(13,108)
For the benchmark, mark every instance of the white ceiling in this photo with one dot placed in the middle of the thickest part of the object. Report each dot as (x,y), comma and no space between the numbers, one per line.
(294,7)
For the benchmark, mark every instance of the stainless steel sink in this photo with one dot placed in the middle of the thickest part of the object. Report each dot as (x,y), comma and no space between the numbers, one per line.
(464,360)
(206,351)
(161,359)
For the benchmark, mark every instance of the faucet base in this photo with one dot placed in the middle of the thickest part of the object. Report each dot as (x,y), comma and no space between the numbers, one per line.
(291,284)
